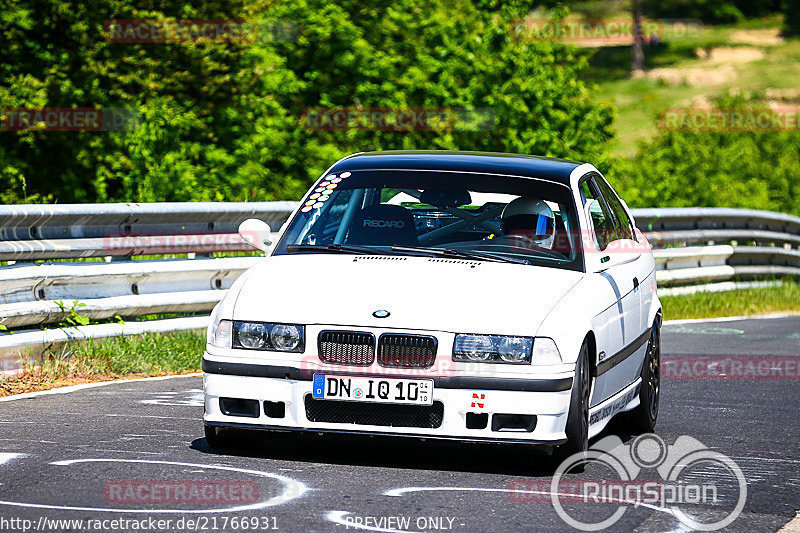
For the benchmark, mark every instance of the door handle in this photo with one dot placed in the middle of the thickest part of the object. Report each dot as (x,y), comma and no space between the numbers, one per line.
(635,283)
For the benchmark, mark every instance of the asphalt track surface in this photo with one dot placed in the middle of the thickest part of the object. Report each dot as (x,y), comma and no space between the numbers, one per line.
(63,455)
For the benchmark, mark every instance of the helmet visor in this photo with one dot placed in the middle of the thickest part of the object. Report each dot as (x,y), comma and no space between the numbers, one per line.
(536,226)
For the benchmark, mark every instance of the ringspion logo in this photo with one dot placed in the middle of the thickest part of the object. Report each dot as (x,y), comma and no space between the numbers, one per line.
(683,482)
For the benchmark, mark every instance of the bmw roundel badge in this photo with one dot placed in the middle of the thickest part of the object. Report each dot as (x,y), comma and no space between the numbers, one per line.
(381,313)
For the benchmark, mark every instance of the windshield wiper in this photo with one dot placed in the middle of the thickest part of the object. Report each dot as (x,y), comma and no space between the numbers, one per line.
(335,248)
(449,252)
(436,252)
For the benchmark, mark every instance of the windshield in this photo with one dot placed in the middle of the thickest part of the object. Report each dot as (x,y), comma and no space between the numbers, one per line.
(478,216)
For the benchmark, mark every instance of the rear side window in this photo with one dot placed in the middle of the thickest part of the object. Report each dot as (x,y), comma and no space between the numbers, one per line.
(623,221)
(602,220)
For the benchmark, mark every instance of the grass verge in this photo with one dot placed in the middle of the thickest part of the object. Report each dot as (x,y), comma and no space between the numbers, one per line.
(152,354)
(783,297)
(678,76)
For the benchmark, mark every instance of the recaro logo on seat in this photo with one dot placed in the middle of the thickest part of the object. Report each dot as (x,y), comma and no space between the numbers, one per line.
(384,223)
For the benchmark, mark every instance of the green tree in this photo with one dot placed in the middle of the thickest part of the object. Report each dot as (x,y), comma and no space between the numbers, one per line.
(791,17)
(458,54)
(745,169)
(223,121)
(711,10)
(198,103)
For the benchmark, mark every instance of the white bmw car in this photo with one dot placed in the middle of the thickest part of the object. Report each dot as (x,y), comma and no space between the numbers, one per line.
(458,295)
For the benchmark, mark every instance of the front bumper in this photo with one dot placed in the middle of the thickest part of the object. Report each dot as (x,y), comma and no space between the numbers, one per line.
(546,399)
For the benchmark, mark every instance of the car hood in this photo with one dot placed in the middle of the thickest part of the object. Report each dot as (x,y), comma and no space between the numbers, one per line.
(419,293)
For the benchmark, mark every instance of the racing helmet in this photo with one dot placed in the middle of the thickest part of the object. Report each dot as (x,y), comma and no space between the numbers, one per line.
(531,218)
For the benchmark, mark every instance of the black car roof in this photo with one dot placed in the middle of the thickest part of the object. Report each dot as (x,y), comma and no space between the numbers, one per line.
(548,168)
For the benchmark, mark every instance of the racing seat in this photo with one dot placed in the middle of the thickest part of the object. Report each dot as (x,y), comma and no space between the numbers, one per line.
(383,225)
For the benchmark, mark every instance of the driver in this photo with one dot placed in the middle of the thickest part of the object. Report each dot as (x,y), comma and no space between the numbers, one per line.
(529,218)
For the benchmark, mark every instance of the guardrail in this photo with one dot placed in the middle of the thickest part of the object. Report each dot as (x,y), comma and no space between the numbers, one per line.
(701,245)
(33,232)
(694,247)
(102,241)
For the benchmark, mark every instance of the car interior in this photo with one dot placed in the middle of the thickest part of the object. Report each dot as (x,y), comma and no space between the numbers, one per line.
(437,217)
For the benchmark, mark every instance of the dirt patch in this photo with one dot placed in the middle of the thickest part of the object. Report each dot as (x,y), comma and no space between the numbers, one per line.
(35,381)
(702,102)
(696,76)
(783,95)
(765,37)
(729,54)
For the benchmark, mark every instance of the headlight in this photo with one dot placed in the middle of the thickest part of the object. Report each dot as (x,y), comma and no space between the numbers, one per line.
(252,335)
(285,337)
(266,336)
(493,349)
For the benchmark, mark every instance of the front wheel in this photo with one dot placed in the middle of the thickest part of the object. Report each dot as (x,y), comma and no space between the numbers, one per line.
(216,437)
(643,418)
(578,418)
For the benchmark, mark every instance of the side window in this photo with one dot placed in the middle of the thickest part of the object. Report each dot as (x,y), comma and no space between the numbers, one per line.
(624,226)
(604,229)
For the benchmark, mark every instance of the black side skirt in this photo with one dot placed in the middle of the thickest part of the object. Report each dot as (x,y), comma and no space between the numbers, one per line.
(623,354)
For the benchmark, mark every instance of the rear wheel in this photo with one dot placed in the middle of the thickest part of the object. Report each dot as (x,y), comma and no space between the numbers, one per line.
(578,418)
(643,418)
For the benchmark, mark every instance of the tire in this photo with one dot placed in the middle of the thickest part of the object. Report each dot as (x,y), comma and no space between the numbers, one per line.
(215,437)
(577,429)
(643,418)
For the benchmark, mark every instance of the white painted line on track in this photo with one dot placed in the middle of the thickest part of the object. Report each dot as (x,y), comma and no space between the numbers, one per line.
(106,450)
(292,489)
(402,491)
(6,457)
(152,416)
(730,318)
(793,526)
(83,386)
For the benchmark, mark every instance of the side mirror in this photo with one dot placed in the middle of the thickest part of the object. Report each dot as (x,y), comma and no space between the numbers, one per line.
(597,262)
(256,233)
(617,253)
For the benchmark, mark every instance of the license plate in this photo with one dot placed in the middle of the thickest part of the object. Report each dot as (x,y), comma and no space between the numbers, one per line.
(376,390)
